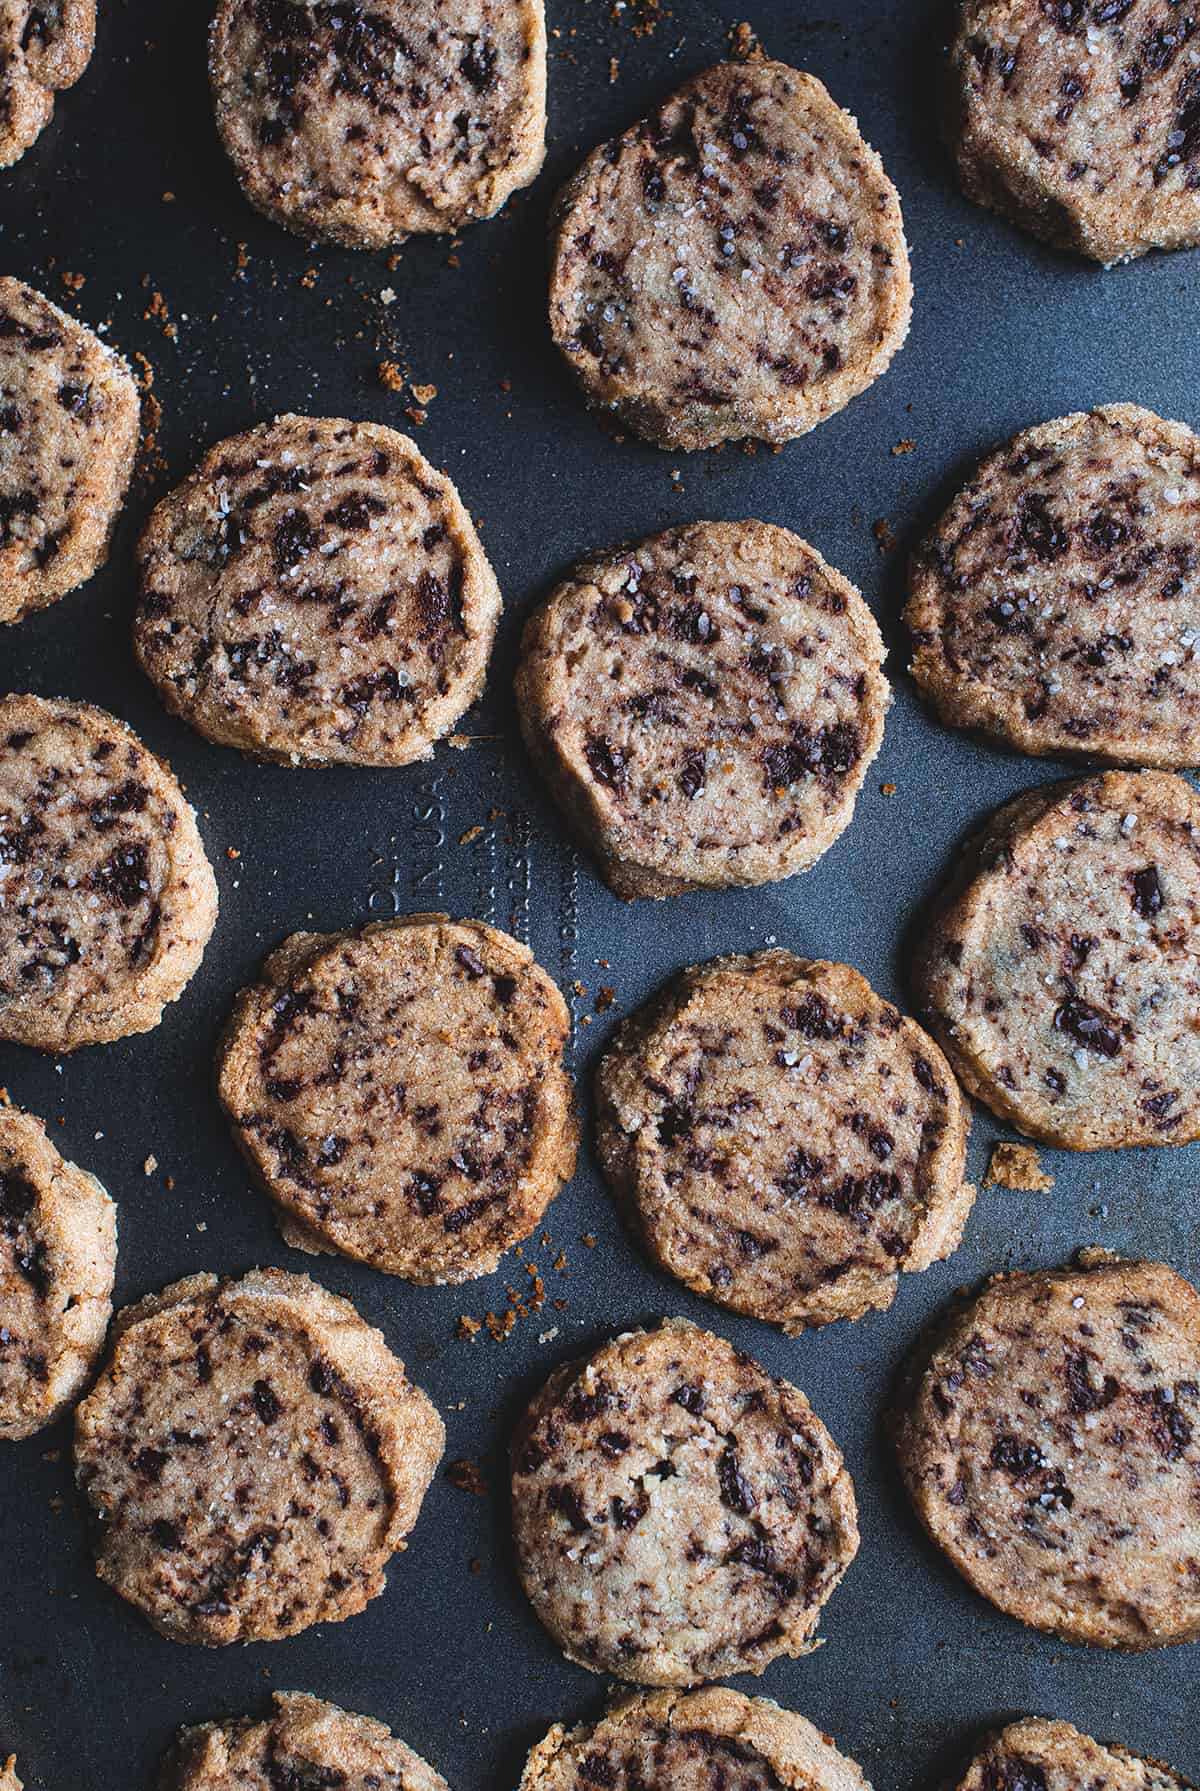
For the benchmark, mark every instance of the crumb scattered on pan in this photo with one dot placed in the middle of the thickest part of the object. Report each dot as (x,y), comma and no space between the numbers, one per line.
(904,447)
(744,45)
(467,1476)
(885,540)
(1019,1168)
(150,1165)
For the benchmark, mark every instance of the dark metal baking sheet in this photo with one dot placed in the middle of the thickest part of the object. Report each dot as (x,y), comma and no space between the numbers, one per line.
(1005,333)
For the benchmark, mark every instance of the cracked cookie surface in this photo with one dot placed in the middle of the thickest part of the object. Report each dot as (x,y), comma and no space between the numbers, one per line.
(1053,605)
(1049,1436)
(734,265)
(360,124)
(108,898)
(253,1455)
(703,1101)
(58,1255)
(1080,120)
(1059,971)
(704,705)
(1052,1756)
(677,1513)
(68,436)
(45,45)
(315,593)
(305,1744)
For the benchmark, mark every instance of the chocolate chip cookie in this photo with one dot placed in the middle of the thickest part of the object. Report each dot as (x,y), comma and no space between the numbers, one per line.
(68,437)
(734,265)
(315,593)
(1080,120)
(361,124)
(58,1255)
(704,705)
(1060,969)
(8,1775)
(1054,603)
(252,1455)
(106,897)
(1035,1755)
(1049,1435)
(400,1093)
(665,1741)
(43,48)
(784,1140)
(677,1513)
(304,1745)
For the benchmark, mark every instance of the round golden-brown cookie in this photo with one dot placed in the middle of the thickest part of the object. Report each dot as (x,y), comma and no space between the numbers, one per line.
(253,1455)
(42,50)
(784,1140)
(704,705)
(400,1093)
(304,1745)
(316,594)
(362,123)
(58,1256)
(734,265)
(677,1513)
(68,436)
(1053,603)
(1059,970)
(694,1741)
(1080,120)
(108,898)
(1037,1755)
(1049,1435)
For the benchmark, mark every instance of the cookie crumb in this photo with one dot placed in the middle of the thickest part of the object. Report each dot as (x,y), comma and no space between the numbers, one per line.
(150,1165)
(885,539)
(467,1476)
(1018,1168)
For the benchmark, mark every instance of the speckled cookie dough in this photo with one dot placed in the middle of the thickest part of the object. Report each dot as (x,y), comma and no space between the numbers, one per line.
(304,1745)
(108,898)
(1059,970)
(361,124)
(678,1514)
(252,1455)
(784,1140)
(1049,1435)
(712,1740)
(45,45)
(68,437)
(1036,1755)
(733,266)
(316,594)
(400,1093)
(58,1255)
(705,705)
(1054,604)
(1080,120)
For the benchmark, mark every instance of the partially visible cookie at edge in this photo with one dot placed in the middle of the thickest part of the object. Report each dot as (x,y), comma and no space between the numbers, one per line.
(733,265)
(668,1741)
(361,125)
(58,1255)
(305,1742)
(43,49)
(1053,603)
(8,1775)
(315,593)
(68,438)
(1053,1756)
(704,705)
(785,1142)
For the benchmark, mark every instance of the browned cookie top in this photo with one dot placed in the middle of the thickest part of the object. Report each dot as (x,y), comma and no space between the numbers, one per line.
(68,434)
(1060,971)
(43,48)
(1054,603)
(359,123)
(1081,119)
(1050,1438)
(401,1093)
(305,1745)
(678,1514)
(316,593)
(1035,1755)
(106,897)
(705,705)
(786,1140)
(712,1740)
(58,1252)
(734,265)
(253,1455)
